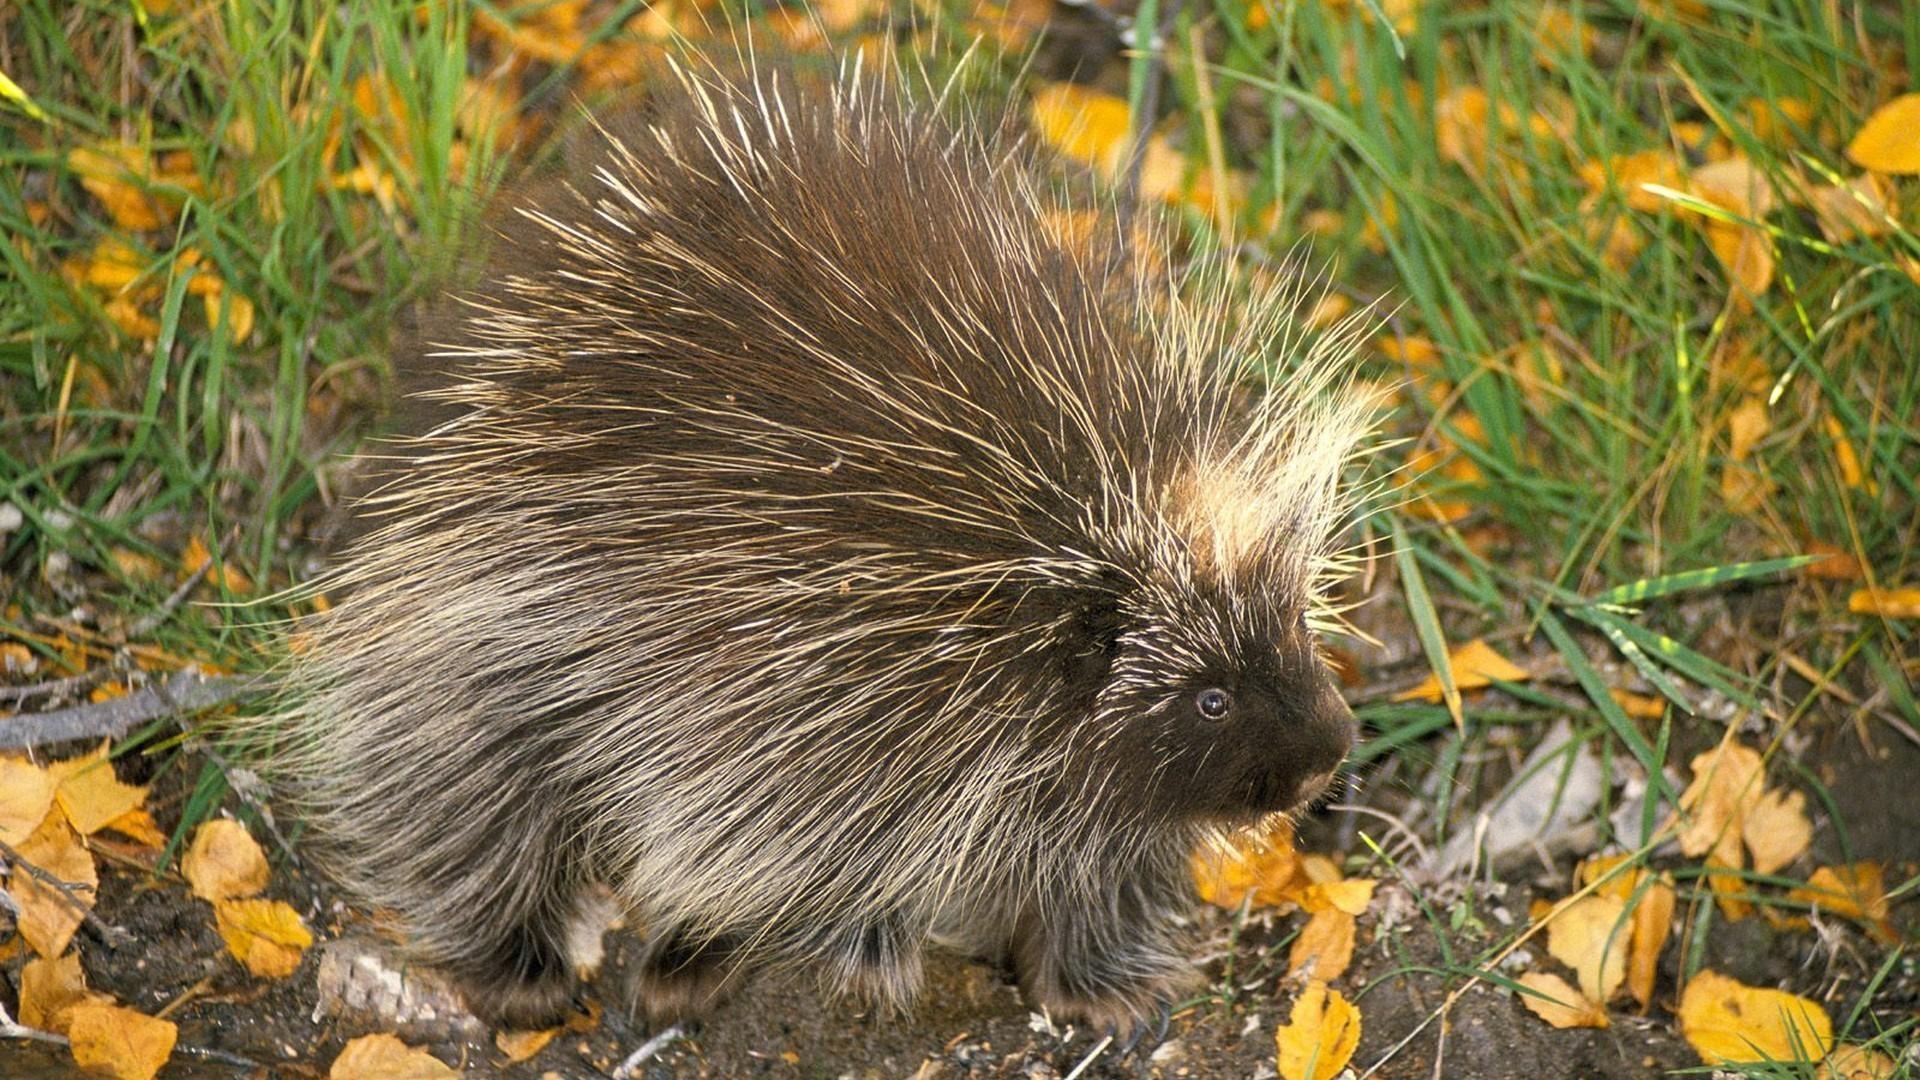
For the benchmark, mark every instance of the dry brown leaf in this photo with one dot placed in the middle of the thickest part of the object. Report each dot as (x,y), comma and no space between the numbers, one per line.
(1886,603)
(224,862)
(26,794)
(266,936)
(1889,142)
(1560,1004)
(90,794)
(48,917)
(1320,1035)
(1591,937)
(1776,829)
(384,1057)
(1475,665)
(1727,1021)
(120,1043)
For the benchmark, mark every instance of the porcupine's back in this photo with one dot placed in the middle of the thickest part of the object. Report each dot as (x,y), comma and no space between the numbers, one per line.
(752,572)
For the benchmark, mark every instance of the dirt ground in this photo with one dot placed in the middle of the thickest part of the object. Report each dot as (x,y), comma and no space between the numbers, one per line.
(1413,946)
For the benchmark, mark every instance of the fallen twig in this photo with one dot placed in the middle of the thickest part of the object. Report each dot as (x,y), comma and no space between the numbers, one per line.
(647,1051)
(185,692)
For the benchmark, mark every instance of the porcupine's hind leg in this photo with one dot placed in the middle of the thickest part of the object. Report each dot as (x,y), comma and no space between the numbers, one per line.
(518,963)
(1109,957)
(682,974)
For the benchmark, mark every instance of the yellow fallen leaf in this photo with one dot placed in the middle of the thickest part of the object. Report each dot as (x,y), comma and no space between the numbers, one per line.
(521,1045)
(1475,665)
(1324,947)
(1727,781)
(49,989)
(1652,925)
(224,862)
(1778,121)
(1560,1004)
(266,936)
(1746,253)
(1590,936)
(384,1057)
(1850,1062)
(1727,1022)
(1853,209)
(1262,870)
(1776,829)
(1853,891)
(119,1042)
(1747,425)
(1351,895)
(1736,185)
(197,556)
(1886,603)
(1847,458)
(48,917)
(116,176)
(26,794)
(1085,125)
(90,794)
(1638,706)
(1889,142)
(1320,1035)
(138,826)
(1629,173)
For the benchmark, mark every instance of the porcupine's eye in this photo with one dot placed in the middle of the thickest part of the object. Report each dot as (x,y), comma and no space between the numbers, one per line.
(1213,703)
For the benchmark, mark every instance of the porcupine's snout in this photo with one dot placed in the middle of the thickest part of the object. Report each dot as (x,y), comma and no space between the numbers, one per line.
(1302,732)
(1327,737)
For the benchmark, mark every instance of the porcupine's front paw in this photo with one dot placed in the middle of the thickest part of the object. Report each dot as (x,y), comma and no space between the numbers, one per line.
(681,977)
(1135,1014)
(877,962)
(1121,981)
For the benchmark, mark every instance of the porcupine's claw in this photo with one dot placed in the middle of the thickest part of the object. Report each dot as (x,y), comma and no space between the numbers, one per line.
(1137,1037)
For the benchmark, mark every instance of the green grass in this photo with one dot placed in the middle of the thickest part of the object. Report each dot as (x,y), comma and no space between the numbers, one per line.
(1588,400)
(191,432)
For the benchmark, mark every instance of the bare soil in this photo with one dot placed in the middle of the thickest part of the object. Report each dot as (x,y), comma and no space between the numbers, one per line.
(972,1023)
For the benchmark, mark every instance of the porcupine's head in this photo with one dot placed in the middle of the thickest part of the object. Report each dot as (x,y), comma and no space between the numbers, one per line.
(1215,702)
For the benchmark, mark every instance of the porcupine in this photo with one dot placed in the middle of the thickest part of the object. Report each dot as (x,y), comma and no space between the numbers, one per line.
(825,555)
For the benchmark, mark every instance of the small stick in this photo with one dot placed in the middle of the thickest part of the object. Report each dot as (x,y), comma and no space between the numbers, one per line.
(113,936)
(54,687)
(647,1051)
(183,692)
(1087,1062)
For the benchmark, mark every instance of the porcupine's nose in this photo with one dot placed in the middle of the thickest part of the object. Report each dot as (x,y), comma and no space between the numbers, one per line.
(1329,739)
